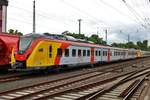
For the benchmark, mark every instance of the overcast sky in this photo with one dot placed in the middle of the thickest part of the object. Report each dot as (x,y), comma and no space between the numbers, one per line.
(55,16)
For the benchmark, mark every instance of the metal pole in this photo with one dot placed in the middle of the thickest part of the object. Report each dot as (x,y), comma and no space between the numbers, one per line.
(79,26)
(3,15)
(106,35)
(34,16)
(128,38)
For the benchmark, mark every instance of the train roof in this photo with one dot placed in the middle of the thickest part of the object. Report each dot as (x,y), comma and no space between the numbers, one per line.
(56,39)
(8,35)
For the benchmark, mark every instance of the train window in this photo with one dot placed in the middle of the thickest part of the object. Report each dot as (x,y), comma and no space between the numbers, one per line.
(24,43)
(66,52)
(106,53)
(96,53)
(88,52)
(50,51)
(50,48)
(79,52)
(115,53)
(84,52)
(59,52)
(99,53)
(73,52)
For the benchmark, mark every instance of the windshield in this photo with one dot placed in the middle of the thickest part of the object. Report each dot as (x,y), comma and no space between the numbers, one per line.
(24,43)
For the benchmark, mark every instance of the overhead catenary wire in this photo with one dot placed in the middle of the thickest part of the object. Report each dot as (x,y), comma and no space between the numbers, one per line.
(51,17)
(57,18)
(118,11)
(29,23)
(137,4)
(137,16)
(115,9)
(44,15)
(38,14)
(142,21)
(89,15)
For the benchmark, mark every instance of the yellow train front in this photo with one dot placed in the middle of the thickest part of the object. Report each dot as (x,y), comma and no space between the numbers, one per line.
(36,51)
(139,53)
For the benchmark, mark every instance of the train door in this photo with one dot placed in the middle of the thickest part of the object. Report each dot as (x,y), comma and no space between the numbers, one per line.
(50,53)
(92,55)
(108,54)
(124,54)
(100,53)
(105,55)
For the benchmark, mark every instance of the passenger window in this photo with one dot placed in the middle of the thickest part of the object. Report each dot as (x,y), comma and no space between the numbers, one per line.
(84,52)
(73,52)
(66,52)
(79,52)
(50,51)
(96,53)
(59,52)
(106,53)
(103,53)
(88,52)
(99,53)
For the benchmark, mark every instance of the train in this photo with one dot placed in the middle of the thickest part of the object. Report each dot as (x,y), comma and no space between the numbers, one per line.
(36,51)
(8,43)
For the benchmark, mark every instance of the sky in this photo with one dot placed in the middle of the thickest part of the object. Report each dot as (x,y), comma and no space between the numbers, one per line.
(119,17)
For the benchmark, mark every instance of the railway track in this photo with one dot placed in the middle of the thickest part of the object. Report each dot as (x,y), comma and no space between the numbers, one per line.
(121,90)
(58,88)
(12,77)
(21,76)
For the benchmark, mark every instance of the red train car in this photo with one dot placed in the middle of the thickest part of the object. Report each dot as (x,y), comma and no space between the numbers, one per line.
(8,42)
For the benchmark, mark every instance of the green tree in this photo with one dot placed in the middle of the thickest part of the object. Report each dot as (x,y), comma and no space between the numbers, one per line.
(145,44)
(139,45)
(95,38)
(14,32)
